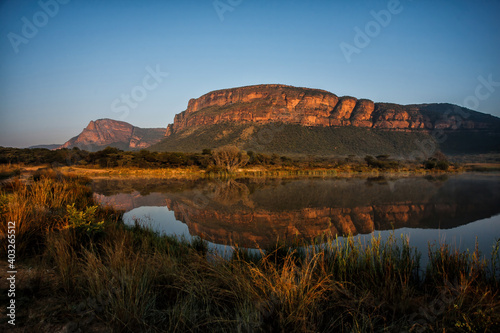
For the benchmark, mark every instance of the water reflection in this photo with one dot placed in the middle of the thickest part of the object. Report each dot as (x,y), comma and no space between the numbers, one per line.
(255,212)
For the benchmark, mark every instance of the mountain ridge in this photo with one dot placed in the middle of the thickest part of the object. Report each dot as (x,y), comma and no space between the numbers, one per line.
(108,132)
(287,120)
(263,104)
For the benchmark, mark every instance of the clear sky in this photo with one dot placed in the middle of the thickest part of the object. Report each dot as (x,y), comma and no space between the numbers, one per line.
(66,62)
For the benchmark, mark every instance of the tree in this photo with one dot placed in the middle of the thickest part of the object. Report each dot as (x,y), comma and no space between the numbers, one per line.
(229,158)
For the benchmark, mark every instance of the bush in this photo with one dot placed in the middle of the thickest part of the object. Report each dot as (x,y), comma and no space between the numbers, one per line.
(430,164)
(230,158)
(443,165)
(381,162)
(84,221)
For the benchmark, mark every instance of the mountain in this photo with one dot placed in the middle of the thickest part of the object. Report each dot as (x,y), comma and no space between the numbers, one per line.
(50,146)
(107,132)
(289,120)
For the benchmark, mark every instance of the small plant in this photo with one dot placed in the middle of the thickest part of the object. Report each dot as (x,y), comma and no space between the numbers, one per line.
(84,221)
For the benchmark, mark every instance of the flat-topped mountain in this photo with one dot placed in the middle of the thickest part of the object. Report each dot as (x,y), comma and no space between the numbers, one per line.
(264,104)
(102,133)
(319,122)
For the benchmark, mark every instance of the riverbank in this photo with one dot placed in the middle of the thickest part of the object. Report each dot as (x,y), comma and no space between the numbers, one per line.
(79,268)
(248,172)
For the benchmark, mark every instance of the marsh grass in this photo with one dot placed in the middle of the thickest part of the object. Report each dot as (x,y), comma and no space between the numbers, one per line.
(9,170)
(128,279)
(39,206)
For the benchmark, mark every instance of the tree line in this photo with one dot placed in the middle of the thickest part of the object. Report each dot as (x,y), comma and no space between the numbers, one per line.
(222,159)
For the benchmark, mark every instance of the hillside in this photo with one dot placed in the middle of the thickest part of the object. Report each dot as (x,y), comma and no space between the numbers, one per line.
(288,120)
(107,132)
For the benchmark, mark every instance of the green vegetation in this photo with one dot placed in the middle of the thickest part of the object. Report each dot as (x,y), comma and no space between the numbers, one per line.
(381,162)
(294,140)
(209,163)
(107,158)
(79,265)
(474,142)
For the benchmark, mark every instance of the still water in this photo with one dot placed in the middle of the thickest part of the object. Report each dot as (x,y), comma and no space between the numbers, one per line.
(254,213)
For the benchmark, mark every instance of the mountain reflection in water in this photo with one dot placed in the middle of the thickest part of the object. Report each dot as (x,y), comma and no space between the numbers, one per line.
(255,212)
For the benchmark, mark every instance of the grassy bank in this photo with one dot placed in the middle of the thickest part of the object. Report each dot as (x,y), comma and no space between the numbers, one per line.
(112,162)
(344,171)
(80,268)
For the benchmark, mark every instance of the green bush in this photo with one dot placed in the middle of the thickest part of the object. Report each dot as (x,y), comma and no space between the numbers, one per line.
(84,221)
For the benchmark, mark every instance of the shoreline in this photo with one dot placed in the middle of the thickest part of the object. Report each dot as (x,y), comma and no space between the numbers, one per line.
(192,173)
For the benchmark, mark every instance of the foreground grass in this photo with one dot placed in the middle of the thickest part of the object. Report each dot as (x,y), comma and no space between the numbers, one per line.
(80,268)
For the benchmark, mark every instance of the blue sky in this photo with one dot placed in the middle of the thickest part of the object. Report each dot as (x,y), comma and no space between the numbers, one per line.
(87,54)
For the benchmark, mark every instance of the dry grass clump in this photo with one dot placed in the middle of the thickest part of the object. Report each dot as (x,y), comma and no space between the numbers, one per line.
(39,206)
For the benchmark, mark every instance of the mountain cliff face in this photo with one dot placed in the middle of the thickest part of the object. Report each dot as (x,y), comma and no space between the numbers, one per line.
(106,132)
(264,104)
(299,121)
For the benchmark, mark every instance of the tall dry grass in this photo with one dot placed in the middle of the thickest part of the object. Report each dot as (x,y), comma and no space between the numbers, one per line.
(38,207)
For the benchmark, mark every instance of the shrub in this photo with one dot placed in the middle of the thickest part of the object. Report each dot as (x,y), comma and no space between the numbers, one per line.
(229,158)
(443,165)
(84,221)
(430,164)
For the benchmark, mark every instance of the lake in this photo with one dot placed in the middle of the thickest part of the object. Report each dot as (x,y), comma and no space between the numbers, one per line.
(256,212)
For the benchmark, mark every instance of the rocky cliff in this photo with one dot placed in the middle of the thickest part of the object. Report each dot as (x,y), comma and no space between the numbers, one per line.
(263,104)
(107,132)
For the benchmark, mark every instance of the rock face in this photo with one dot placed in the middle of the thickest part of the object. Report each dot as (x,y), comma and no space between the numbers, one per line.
(107,132)
(263,104)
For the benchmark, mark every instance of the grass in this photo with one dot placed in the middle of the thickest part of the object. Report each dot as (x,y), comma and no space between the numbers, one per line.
(320,170)
(9,170)
(78,265)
